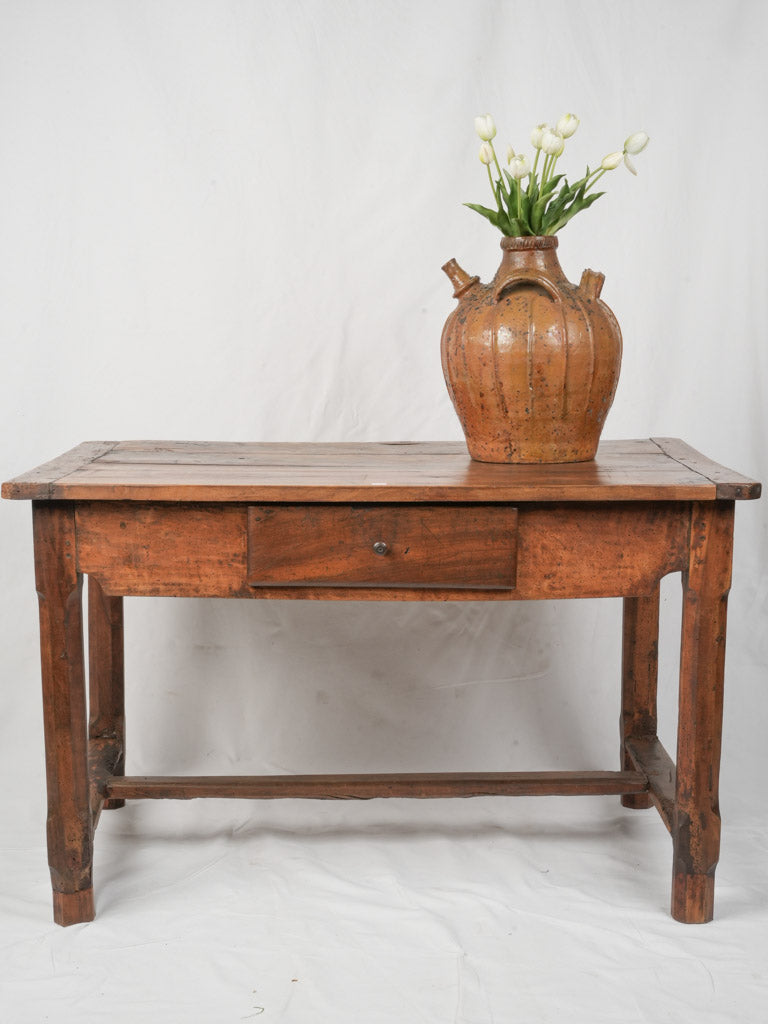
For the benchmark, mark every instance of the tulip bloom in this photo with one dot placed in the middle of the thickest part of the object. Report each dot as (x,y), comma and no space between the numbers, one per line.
(538,134)
(519,167)
(530,197)
(567,125)
(610,162)
(485,127)
(636,143)
(552,143)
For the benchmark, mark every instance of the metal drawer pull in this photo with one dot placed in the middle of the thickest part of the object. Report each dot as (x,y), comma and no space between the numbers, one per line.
(381,547)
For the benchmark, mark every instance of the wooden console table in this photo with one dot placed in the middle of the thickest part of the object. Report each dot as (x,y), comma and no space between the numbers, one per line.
(380,522)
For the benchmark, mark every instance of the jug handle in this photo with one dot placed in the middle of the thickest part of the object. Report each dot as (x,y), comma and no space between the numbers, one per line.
(514,279)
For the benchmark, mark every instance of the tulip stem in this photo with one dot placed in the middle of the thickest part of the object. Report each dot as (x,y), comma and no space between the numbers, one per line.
(498,168)
(545,169)
(493,187)
(597,175)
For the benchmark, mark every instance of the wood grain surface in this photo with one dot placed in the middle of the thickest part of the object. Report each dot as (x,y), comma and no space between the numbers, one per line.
(696,828)
(399,545)
(639,671)
(279,520)
(640,470)
(106,677)
(368,787)
(69,826)
(648,755)
(617,549)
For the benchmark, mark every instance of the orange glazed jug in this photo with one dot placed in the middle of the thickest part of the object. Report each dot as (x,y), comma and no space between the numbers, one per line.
(531,361)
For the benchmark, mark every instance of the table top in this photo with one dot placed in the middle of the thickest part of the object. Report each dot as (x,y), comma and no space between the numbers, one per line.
(636,470)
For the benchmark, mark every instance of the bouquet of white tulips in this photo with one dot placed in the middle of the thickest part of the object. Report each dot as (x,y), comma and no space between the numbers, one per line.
(541,207)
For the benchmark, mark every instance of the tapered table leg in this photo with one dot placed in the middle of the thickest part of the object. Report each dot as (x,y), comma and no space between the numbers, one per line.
(639,672)
(106,677)
(696,824)
(70,832)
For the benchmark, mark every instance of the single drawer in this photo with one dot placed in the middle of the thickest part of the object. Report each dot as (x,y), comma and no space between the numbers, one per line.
(473,546)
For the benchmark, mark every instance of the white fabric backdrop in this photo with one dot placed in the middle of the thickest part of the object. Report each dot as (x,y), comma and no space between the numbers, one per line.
(225,220)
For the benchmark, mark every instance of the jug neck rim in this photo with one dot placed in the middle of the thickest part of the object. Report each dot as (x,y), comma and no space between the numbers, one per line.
(526,242)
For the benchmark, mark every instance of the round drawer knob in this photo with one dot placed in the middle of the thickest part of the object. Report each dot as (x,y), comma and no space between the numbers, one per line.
(381,547)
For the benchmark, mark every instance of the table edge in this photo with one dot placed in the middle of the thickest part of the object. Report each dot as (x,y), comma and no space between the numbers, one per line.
(729,485)
(56,480)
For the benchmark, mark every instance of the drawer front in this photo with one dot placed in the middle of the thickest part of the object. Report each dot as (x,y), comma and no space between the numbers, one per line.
(472,546)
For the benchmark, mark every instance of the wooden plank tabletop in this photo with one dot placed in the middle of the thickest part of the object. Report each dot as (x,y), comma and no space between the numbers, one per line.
(635,470)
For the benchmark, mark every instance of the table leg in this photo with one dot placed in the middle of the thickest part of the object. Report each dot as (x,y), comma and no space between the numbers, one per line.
(696,823)
(70,832)
(639,672)
(106,677)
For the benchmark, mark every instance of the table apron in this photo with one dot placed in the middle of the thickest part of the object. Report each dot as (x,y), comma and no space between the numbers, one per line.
(564,550)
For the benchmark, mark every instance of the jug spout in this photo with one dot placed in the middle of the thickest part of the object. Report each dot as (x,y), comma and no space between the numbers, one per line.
(459,278)
(591,283)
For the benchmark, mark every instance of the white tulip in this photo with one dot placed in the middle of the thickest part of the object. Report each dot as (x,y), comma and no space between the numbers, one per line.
(486,154)
(552,143)
(519,167)
(567,125)
(636,143)
(538,134)
(510,154)
(485,127)
(610,162)
(629,165)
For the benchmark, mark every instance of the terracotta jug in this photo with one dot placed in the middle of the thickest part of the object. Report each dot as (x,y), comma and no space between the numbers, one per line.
(531,361)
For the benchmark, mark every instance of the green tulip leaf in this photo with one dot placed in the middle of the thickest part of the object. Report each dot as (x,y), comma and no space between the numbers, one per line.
(498,218)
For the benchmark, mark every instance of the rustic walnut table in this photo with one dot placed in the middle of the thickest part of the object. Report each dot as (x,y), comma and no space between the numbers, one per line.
(381,522)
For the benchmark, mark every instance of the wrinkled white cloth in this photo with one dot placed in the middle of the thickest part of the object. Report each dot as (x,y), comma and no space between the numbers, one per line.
(483,910)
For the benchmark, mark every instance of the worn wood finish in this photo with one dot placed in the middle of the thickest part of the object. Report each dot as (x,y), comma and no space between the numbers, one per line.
(729,486)
(147,550)
(39,483)
(563,550)
(648,756)
(369,787)
(105,761)
(172,518)
(70,835)
(594,550)
(464,546)
(257,473)
(106,675)
(696,831)
(639,671)
(345,450)
(73,907)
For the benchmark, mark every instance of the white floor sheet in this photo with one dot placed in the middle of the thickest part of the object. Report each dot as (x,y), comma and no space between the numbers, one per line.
(479,910)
